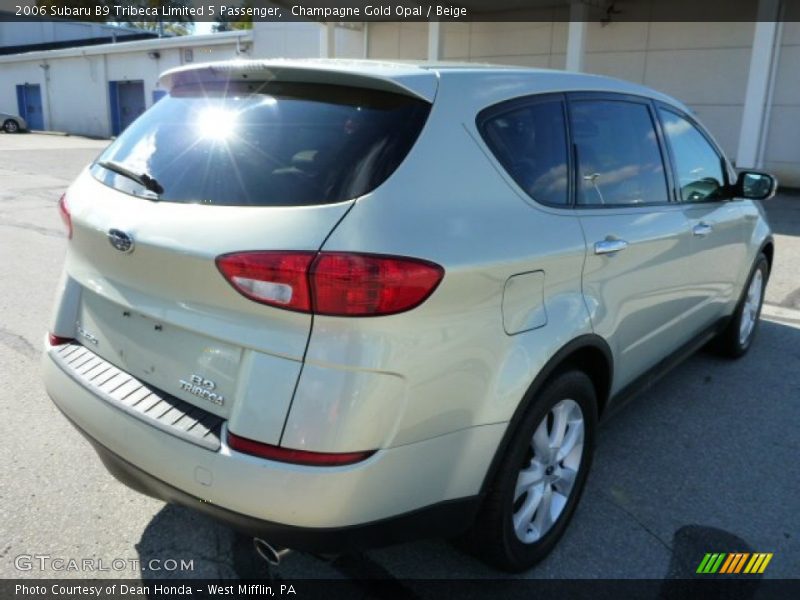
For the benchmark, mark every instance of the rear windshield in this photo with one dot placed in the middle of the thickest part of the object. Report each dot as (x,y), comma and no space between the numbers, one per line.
(264,144)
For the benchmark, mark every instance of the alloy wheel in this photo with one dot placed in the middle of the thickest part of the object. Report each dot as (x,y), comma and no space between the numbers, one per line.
(752,305)
(547,478)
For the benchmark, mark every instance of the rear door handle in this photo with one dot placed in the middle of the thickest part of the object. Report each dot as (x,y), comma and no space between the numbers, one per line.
(702,229)
(609,246)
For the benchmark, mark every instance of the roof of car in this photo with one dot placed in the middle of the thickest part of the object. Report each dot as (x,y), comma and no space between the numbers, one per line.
(419,78)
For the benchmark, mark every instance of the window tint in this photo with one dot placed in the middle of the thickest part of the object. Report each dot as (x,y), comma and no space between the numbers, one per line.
(531,144)
(700,174)
(266,144)
(619,161)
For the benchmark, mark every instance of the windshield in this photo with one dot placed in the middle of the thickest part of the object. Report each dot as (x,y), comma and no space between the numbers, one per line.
(264,144)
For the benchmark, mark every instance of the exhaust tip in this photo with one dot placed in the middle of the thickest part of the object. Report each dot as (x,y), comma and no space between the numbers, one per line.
(268,552)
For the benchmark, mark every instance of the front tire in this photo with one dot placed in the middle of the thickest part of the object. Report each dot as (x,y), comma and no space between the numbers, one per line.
(10,126)
(737,337)
(537,488)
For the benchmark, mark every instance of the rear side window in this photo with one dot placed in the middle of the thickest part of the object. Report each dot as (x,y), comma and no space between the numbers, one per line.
(699,167)
(618,157)
(265,144)
(531,144)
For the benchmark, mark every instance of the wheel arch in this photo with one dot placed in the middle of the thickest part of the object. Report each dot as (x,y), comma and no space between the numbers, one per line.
(768,250)
(589,353)
(20,126)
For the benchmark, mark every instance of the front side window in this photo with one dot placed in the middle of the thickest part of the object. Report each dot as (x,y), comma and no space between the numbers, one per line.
(531,144)
(700,173)
(618,157)
(263,144)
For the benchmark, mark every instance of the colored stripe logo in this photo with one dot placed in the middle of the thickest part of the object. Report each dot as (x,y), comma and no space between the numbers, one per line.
(732,563)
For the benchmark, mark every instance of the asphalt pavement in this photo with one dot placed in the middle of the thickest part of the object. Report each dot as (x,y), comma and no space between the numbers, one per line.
(705,461)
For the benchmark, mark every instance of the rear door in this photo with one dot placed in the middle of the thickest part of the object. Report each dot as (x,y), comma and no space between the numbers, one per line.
(267,167)
(638,241)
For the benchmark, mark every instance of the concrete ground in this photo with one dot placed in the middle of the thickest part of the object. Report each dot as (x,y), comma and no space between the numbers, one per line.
(706,461)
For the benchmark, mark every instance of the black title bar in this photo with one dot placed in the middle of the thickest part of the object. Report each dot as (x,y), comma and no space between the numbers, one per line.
(602,11)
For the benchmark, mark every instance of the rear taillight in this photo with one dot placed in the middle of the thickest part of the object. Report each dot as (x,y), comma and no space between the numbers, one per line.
(274,278)
(363,285)
(55,340)
(332,283)
(298,457)
(63,210)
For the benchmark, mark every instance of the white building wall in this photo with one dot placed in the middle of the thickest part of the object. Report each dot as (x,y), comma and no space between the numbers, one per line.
(349,42)
(398,40)
(75,91)
(286,40)
(20,73)
(704,65)
(303,40)
(75,86)
(75,97)
(541,45)
(782,147)
(534,44)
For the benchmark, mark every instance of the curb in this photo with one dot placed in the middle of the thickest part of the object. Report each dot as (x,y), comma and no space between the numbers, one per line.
(65,134)
(780,313)
(43,132)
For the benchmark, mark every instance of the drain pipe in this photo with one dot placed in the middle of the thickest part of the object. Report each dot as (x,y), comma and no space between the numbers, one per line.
(776,56)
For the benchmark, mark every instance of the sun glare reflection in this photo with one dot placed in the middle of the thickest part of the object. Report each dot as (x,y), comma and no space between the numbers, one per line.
(216,123)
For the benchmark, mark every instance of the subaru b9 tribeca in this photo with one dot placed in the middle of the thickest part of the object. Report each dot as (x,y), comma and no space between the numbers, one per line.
(342,304)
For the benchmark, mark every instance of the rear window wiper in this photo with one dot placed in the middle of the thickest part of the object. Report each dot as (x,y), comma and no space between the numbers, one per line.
(143,179)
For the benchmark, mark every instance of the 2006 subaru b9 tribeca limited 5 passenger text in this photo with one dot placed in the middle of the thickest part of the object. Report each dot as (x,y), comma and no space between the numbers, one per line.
(342,304)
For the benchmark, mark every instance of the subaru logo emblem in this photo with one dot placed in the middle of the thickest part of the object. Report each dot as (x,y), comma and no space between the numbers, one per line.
(120,240)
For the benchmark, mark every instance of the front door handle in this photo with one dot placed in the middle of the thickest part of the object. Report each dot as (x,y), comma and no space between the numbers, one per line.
(702,229)
(609,246)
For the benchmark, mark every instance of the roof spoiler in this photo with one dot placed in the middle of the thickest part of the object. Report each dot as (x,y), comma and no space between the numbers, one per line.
(388,77)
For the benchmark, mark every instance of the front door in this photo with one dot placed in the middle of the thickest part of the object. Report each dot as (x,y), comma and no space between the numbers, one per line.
(718,237)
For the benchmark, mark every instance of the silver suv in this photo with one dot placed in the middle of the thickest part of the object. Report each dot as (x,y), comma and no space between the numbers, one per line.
(342,304)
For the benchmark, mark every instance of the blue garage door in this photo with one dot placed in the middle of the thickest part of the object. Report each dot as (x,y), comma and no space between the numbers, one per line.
(127,103)
(29,102)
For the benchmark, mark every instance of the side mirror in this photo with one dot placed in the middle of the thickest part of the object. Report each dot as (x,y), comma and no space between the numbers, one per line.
(755,185)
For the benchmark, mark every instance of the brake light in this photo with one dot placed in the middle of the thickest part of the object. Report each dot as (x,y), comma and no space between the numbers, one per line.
(298,457)
(369,285)
(332,283)
(57,340)
(63,210)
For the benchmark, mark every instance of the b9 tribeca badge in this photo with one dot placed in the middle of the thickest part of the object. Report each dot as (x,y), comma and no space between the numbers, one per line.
(202,388)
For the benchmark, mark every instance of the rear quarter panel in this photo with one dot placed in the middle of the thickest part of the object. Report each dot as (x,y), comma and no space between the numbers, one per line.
(757,233)
(448,364)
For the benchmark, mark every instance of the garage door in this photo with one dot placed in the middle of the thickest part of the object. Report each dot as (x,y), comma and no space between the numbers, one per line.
(29,101)
(127,103)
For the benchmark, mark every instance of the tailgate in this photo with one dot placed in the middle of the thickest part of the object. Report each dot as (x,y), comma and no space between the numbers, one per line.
(224,167)
(193,367)
(165,314)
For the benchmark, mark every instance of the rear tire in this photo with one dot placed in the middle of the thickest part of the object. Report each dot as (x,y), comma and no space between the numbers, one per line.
(737,337)
(10,126)
(540,481)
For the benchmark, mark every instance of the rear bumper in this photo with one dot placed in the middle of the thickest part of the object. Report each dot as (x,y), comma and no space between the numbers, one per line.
(424,489)
(439,520)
